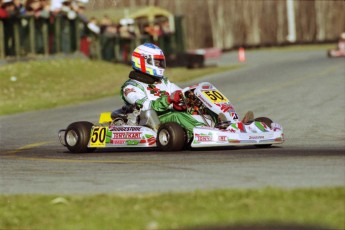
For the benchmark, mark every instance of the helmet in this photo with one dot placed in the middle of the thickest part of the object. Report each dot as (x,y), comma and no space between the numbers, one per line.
(149,58)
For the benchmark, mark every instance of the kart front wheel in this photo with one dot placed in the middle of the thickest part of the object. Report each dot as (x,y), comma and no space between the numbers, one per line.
(171,137)
(77,137)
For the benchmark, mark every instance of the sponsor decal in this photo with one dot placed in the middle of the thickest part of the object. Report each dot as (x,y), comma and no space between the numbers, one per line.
(127,135)
(147,138)
(249,128)
(156,91)
(262,126)
(132,142)
(124,129)
(203,137)
(241,126)
(234,116)
(205,87)
(225,107)
(128,91)
(276,127)
(237,126)
(234,141)
(117,142)
(132,138)
(222,138)
(256,137)
(119,135)
(133,135)
(231,130)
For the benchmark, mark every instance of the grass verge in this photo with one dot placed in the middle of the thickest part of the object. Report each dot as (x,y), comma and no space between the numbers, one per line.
(318,207)
(44,84)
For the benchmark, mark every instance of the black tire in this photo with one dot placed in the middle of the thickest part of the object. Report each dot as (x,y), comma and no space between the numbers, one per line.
(268,122)
(77,137)
(171,137)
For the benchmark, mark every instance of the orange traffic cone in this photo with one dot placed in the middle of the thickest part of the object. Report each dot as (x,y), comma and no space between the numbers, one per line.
(241,55)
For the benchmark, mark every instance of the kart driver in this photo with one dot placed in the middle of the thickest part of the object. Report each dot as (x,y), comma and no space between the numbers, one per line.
(149,89)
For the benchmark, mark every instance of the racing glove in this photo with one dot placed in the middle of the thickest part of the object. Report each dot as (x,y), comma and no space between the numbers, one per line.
(176,99)
(179,107)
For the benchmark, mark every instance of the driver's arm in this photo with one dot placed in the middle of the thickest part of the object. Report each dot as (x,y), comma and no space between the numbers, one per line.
(134,95)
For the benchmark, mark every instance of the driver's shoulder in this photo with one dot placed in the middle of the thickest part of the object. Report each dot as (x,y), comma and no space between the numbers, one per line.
(134,83)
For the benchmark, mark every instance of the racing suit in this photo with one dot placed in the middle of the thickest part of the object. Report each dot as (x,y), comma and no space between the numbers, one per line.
(156,95)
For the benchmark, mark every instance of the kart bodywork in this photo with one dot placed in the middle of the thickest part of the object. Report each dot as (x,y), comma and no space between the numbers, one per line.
(201,100)
(339,51)
(336,53)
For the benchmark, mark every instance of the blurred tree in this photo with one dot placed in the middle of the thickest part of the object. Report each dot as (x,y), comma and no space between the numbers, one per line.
(231,23)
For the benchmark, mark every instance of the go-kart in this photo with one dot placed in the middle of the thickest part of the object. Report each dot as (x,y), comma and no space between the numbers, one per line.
(130,127)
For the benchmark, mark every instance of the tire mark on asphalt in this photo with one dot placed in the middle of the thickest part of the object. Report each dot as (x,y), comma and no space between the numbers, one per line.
(26,147)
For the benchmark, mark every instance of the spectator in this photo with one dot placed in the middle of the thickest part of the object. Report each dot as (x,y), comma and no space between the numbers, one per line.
(105,22)
(166,37)
(154,31)
(3,12)
(107,38)
(8,9)
(126,29)
(84,39)
(95,30)
(93,26)
(165,27)
(19,6)
(37,8)
(9,15)
(68,10)
(55,6)
(127,34)
(80,10)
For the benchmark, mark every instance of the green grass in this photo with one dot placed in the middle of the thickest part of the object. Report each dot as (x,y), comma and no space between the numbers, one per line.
(322,207)
(27,86)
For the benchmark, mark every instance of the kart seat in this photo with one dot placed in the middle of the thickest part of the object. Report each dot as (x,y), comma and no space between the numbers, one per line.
(122,112)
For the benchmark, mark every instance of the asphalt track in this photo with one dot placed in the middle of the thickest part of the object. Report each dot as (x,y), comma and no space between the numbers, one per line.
(302,90)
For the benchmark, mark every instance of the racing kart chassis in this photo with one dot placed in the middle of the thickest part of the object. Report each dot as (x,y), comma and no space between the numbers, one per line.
(141,129)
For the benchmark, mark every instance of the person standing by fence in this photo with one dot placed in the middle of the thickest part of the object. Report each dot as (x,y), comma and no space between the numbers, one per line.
(9,14)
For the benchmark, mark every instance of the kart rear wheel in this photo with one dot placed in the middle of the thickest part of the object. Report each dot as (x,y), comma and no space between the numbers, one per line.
(171,137)
(268,122)
(77,137)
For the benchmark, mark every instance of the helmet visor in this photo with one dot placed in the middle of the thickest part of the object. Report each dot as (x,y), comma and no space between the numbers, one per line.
(157,61)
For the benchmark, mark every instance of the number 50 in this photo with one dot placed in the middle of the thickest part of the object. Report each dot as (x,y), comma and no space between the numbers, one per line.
(98,135)
(214,95)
